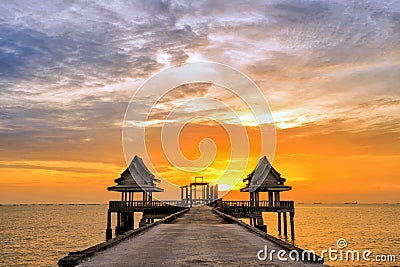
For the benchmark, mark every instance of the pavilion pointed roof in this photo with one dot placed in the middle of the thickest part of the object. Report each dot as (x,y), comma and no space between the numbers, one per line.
(265,178)
(136,178)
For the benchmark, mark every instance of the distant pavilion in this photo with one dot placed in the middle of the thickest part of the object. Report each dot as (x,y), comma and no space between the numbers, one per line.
(265,178)
(135,179)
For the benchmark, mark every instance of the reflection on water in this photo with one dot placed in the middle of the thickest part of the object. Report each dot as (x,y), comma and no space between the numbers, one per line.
(34,235)
(38,235)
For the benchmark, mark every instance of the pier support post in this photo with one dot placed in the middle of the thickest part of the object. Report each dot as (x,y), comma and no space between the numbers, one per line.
(279,223)
(259,218)
(292,225)
(118,227)
(252,218)
(285,224)
(108,230)
(127,221)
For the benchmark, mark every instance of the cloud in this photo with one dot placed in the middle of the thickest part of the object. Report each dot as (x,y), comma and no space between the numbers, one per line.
(329,70)
(67,69)
(88,45)
(337,137)
(61,166)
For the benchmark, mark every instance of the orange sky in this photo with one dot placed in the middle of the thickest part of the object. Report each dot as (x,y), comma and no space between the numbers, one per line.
(329,70)
(334,167)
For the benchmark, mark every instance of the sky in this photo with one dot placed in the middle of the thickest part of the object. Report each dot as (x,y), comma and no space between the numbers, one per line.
(329,70)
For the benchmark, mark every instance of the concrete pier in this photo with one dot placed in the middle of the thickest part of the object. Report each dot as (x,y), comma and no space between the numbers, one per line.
(198,238)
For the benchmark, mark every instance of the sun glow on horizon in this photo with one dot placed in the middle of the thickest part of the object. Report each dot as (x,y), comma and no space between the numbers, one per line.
(329,71)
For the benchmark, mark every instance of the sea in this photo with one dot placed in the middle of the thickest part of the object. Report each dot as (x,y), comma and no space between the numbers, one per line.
(39,235)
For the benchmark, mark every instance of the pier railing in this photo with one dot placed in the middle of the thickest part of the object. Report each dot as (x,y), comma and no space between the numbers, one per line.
(136,206)
(224,205)
(265,205)
(156,203)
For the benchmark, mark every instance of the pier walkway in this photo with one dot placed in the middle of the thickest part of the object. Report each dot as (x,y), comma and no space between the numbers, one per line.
(198,238)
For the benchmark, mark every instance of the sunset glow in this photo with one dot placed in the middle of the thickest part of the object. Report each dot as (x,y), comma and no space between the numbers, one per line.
(329,74)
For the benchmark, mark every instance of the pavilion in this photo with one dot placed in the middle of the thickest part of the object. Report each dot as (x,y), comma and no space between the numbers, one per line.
(135,179)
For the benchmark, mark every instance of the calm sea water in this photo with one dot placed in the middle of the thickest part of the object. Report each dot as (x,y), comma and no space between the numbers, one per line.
(364,226)
(34,235)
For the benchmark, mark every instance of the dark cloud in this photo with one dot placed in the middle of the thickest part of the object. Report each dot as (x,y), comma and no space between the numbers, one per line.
(45,132)
(90,42)
(56,56)
(49,51)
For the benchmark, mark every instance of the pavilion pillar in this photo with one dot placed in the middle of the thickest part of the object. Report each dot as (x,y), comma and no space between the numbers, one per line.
(270,199)
(212,192)
(203,194)
(191,196)
(144,198)
(277,199)
(108,230)
(208,194)
(150,201)
(132,198)
(292,225)
(212,198)
(279,223)
(285,224)
(195,194)
(151,198)
(144,201)
(187,196)
(257,199)
(259,218)
(181,194)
